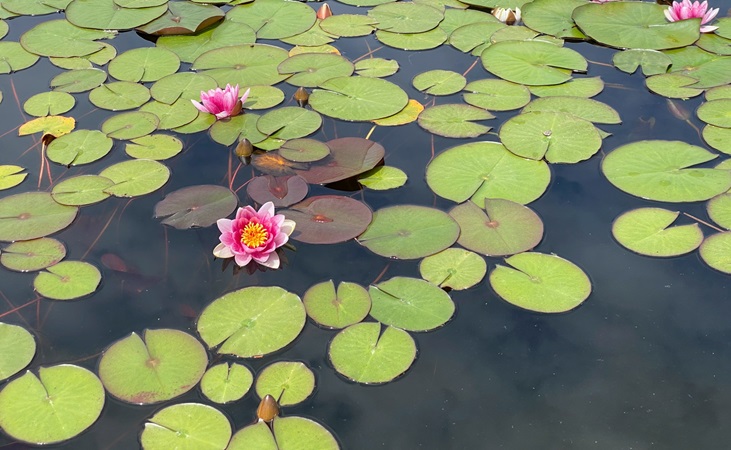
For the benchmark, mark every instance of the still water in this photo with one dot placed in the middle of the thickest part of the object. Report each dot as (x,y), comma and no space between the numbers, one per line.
(644,363)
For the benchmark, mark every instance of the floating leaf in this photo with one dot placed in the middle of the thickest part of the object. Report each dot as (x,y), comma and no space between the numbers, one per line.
(17,348)
(15,58)
(349,157)
(155,146)
(716,112)
(263,97)
(715,251)
(348,25)
(290,382)
(532,62)
(80,80)
(366,354)
(144,64)
(99,57)
(439,82)
(314,37)
(453,268)
(79,147)
(119,96)
(409,232)
(662,171)
(289,122)
(496,95)
(719,210)
(647,231)
(274,19)
(49,104)
(29,256)
(578,87)
(290,433)
(409,114)
(553,17)
(182,18)
(182,85)
(54,125)
(540,282)
(358,98)
(81,190)
(718,93)
(186,426)
(224,383)
(328,219)
(405,17)
(252,321)
(243,64)
(337,309)
(160,365)
(454,120)
(718,138)
(180,113)
(410,304)
(474,37)
(383,178)
(257,435)
(585,108)
(62,39)
(709,69)
(32,215)
(673,85)
(313,69)
(225,34)
(106,15)
(653,62)
(27,415)
(130,125)
(34,7)
(10,176)
(376,67)
(136,177)
(281,191)
(413,41)
(67,280)
(196,206)
(304,150)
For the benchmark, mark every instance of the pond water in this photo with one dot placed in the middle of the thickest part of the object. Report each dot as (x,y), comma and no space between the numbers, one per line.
(642,363)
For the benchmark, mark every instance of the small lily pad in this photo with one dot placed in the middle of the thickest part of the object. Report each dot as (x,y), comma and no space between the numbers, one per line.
(130,125)
(673,85)
(337,309)
(11,176)
(289,433)
(376,67)
(716,112)
(281,191)
(410,304)
(186,426)
(144,64)
(383,178)
(453,268)
(17,348)
(439,82)
(136,177)
(289,382)
(454,120)
(79,80)
(225,383)
(719,210)
(79,147)
(67,280)
(182,85)
(29,256)
(716,250)
(155,146)
(304,150)
(273,19)
(718,138)
(120,95)
(647,231)
(196,206)
(32,215)
(81,190)
(413,41)
(496,95)
(328,219)
(49,103)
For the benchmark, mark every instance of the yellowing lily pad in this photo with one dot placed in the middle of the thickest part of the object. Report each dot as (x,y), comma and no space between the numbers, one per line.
(54,125)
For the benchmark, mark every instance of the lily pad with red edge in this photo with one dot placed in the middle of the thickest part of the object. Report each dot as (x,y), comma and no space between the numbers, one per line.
(328,219)
(409,232)
(331,308)
(160,365)
(196,206)
(281,191)
(36,254)
(349,156)
(32,215)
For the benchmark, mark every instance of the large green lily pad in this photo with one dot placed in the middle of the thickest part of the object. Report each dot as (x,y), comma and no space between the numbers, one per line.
(32,215)
(410,304)
(532,62)
(190,47)
(107,15)
(647,231)
(187,426)
(62,39)
(144,64)
(136,177)
(358,98)
(274,19)
(244,65)
(405,17)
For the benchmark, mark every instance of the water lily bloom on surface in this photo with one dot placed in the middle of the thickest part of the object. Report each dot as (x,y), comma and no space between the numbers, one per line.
(254,236)
(507,15)
(221,102)
(694,10)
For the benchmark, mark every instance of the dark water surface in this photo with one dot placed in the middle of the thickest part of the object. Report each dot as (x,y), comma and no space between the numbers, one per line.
(644,363)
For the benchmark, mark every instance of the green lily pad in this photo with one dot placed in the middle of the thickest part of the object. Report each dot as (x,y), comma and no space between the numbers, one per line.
(541,283)
(368,354)
(585,108)
(196,206)
(257,435)
(11,176)
(439,82)
(314,37)
(709,69)
(263,97)
(486,170)
(532,62)
(289,433)
(673,85)
(715,251)
(578,87)
(559,137)
(225,383)
(553,17)
(182,18)
(119,96)
(107,15)
(62,39)
(409,114)
(67,280)
(180,113)
(252,321)
(718,138)
(289,382)
(99,57)
(187,426)
(224,34)
(155,146)
(3,28)
(79,147)
(144,64)
(49,103)
(183,85)
(716,112)
(27,415)
(718,93)
(411,304)
(653,62)
(136,177)
(226,132)
(358,98)
(281,191)
(413,41)
(383,178)
(409,232)
(496,95)
(453,268)
(647,231)
(474,37)
(348,305)
(405,17)
(328,219)
(29,256)
(304,150)
(80,80)
(32,215)
(17,348)
(203,122)
(34,7)
(54,125)
(313,69)
(289,122)
(662,171)
(634,25)
(81,190)
(243,64)
(160,365)
(349,157)
(456,18)
(454,120)
(130,125)
(274,19)
(719,210)
(348,25)
(376,67)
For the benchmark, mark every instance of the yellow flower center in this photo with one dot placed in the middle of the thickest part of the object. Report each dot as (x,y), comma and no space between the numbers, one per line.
(253,235)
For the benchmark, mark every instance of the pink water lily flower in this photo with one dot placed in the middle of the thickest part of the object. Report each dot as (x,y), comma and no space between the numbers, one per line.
(222,102)
(254,236)
(695,10)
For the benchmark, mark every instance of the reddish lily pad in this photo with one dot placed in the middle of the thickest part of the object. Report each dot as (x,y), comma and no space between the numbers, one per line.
(196,206)
(328,219)
(282,191)
(348,157)
(32,215)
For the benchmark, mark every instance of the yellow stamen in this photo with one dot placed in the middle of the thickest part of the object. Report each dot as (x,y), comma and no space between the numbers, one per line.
(253,235)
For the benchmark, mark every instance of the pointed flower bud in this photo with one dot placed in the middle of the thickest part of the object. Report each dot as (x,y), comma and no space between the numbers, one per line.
(507,15)
(268,409)
(324,12)
(301,96)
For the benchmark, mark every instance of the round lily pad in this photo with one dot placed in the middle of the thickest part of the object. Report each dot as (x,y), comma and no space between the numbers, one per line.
(716,112)
(716,251)
(552,17)
(62,39)
(718,93)
(719,210)
(540,282)
(273,19)
(348,25)
(29,256)
(130,125)
(662,171)
(155,146)
(532,62)
(439,82)
(11,176)
(244,65)
(196,206)
(410,304)
(376,67)
(67,280)
(252,321)
(313,69)
(295,432)
(383,178)
(674,85)
(368,354)
(289,122)
(17,348)
(99,57)
(120,95)
(263,97)
(647,231)
(328,219)
(79,80)
(144,64)
(453,268)
(136,177)
(257,435)
(454,120)
(187,426)
(81,190)
(177,114)
(224,383)
(718,138)
(486,170)
(337,309)
(79,147)
(578,87)
(358,98)
(585,108)
(653,62)
(281,191)
(223,34)
(32,215)
(107,15)
(405,17)
(496,95)
(161,365)
(290,382)
(56,126)
(474,37)
(182,85)
(708,68)
(409,232)
(49,103)
(413,41)
(409,114)
(502,228)
(304,150)
(181,18)
(27,415)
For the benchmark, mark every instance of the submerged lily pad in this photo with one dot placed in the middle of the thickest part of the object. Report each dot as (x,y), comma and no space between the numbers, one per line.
(328,219)
(290,382)
(67,280)
(81,190)
(410,304)
(454,120)
(647,231)
(368,354)
(540,282)
(662,171)
(532,62)
(453,268)
(27,415)
(409,232)
(136,177)
(32,215)
(358,98)
(186,426)
(252,321)
(79,147)
(281,191)
(29,256)
(716,251)
(160,365)
(17,348)
(196,206)
(337,309)
(224,383)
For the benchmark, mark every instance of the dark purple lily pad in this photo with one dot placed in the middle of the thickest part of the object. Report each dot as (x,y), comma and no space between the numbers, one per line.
(282,191)
(349,157)
(196,206)
(328,219)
